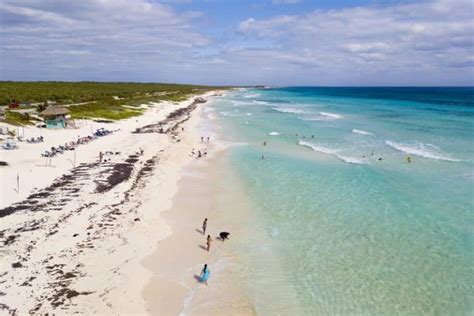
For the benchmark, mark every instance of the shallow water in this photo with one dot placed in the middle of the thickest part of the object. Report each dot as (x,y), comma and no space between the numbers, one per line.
(340,230)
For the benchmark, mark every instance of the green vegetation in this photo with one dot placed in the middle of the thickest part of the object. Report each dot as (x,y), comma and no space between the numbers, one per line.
(106,98)
(107,109)
(15,118)
(77,92)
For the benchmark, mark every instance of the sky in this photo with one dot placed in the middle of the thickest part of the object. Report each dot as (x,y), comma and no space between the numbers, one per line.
(240,42)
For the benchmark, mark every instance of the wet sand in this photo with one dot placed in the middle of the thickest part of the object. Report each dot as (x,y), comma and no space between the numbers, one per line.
(178,260)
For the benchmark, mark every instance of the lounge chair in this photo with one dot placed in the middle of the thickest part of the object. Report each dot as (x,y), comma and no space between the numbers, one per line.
(9,145)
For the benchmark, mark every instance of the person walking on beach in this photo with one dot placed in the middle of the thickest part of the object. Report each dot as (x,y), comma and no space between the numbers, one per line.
(208,242)
(100,156)
(204,226)
(208,139)
(202,139)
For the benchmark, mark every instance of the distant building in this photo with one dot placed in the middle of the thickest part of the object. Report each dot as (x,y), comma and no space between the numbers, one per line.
(55,116)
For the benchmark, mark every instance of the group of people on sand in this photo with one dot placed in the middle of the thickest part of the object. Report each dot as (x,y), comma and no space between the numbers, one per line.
(223,236)
(202,139)
(103,156)
(199,153)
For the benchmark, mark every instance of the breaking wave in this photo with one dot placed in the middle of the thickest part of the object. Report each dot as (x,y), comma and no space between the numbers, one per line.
(252,95)
(259,102)
(323,116)
(289,110)
(422,150)
(361,132)
(333,152)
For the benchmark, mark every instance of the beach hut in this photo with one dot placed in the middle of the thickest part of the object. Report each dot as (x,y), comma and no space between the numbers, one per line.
(55,116)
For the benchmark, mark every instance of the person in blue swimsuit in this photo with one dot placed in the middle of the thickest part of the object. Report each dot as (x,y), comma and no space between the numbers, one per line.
(204,274)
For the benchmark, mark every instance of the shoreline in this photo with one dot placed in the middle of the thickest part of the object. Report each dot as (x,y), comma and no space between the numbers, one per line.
(50,255)
(174,288)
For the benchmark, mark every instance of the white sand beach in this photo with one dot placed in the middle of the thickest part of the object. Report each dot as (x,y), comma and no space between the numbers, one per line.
(74,238)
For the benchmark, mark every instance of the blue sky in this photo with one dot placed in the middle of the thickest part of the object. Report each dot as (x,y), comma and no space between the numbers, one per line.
(277,42)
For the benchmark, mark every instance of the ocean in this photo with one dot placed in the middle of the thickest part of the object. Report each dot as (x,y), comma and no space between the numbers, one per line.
(362,203)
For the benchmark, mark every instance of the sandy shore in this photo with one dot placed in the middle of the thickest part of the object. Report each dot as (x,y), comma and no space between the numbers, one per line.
(73,238)
(174,288)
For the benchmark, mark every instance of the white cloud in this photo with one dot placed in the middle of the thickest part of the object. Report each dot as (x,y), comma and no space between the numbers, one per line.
(428,41)
(115,34)
(417,43)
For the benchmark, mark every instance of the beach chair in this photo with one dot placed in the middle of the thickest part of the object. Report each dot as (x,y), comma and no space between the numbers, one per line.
(9,145)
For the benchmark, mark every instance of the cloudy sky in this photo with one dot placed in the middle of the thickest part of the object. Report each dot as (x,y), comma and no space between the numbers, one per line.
(278,42)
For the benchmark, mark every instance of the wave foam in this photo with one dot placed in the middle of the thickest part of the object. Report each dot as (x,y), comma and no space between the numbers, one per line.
(252,95)
(420,149)
(273,133)
(331,115)
(333,152)
(361,132)
(233,114)
(240,103)
(289,110)
(323,116)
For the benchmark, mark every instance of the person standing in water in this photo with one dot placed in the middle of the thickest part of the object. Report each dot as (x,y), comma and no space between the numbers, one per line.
(204,226)
(204,274)
(409,159)
(209,240)
(204,270)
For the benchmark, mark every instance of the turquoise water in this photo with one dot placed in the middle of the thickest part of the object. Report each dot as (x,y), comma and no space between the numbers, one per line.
(349,226)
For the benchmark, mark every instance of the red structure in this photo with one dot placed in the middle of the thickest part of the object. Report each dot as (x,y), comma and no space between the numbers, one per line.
(14,105)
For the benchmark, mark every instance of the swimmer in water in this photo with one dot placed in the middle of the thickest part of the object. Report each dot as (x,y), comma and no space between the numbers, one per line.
(409,159)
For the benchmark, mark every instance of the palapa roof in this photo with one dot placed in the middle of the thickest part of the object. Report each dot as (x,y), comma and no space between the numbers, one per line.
(55,110)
